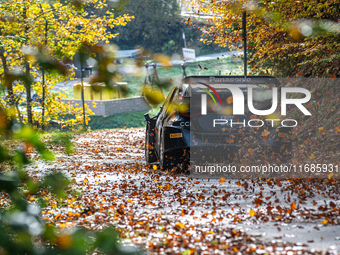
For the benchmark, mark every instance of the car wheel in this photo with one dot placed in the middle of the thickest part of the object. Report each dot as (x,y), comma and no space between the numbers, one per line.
(150,155)
(167,161)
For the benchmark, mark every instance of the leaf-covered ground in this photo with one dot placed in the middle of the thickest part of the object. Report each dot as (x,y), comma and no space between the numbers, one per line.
(176,214)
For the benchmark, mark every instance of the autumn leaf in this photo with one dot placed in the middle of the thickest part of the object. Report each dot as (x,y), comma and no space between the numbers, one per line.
(163,59)
(222,180)
(179,225)
(265,133)
(330,175)
(293,206)
(312,156)
(64,241)
(251,213)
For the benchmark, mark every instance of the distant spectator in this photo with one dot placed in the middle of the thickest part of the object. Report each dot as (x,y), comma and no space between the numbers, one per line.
(89,69)
(71,66)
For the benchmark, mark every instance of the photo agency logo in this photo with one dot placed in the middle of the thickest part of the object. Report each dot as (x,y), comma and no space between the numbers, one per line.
(240,103)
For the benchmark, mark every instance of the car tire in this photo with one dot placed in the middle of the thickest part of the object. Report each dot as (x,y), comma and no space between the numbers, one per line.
(167,161)
(150,155)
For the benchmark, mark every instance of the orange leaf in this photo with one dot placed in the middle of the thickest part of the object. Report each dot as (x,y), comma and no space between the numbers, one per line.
(222,180)
(338,129)
(293,206)
(229,100)
(265,132)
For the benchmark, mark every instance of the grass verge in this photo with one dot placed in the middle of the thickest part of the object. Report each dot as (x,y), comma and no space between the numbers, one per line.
(128,120)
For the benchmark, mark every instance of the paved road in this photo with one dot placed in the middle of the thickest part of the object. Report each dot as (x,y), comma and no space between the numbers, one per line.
(170,214)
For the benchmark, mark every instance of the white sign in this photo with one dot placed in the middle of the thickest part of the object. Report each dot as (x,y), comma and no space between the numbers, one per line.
(189,54)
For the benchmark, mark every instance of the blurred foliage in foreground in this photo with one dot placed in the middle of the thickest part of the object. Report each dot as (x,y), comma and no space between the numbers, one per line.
(22,229)
(30,60)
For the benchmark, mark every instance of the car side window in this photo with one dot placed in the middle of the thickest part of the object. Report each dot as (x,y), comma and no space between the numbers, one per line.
(172,95)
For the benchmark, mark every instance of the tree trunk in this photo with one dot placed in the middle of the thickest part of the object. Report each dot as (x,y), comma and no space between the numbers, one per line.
(8,85)
(27,70)
(43,85)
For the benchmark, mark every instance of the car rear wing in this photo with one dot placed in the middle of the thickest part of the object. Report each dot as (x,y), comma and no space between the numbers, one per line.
(232,79)
(219,82)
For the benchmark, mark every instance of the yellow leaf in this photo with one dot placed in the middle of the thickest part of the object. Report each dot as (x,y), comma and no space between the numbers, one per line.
(222,180)
(312,156)
(165,60)
(330,175)
(153,95)
(154,167)
(251,213)
(130,201)
(86,180)
(179,225)
(325,222)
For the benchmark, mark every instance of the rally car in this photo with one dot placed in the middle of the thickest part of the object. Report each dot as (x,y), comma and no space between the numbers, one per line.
(180,125)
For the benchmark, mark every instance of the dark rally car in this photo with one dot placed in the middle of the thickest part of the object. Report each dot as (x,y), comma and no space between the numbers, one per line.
(179,125)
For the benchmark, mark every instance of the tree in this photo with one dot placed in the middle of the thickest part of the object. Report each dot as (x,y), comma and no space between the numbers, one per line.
(287,37)
(52,32)
(156,23)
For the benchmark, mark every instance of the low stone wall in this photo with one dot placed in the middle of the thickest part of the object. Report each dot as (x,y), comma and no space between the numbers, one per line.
(111,107)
